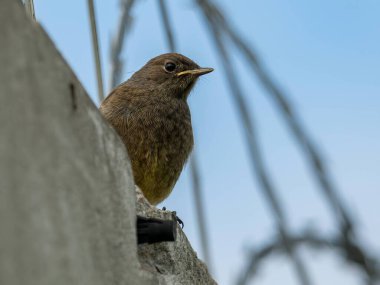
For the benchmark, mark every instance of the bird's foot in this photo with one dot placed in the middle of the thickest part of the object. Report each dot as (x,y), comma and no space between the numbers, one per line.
(175,217)
(179,221)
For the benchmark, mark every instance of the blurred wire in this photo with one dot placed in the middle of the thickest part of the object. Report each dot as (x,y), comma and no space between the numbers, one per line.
(314,241)
(124,25)
(199,208)
(346,239)
(251,137)
(95,47)
(314,158)
(194,169)
(275,246)
(166,23)
(29,6)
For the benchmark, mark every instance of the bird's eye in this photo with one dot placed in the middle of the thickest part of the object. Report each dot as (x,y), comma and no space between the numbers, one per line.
(170,66)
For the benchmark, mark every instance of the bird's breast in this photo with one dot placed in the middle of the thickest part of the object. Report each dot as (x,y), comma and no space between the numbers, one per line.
(160,136)
(159,141)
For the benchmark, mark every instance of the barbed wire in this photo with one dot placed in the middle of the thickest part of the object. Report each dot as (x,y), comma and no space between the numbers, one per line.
(346,237)
(259,168)
(290,117)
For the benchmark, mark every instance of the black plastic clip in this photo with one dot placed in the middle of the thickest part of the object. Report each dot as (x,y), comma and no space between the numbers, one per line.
(151,230)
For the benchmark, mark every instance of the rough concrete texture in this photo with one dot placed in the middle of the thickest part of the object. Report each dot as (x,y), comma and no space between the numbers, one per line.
(67,207)
(67,199)
(173,262)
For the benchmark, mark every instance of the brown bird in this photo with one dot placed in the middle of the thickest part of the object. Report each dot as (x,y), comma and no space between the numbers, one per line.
(150,113)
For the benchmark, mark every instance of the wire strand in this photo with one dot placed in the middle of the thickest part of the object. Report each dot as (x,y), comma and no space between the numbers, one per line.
(95,47)
(124,25)
(255,153)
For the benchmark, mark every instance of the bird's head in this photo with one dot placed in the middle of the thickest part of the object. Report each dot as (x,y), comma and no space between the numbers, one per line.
(170,74)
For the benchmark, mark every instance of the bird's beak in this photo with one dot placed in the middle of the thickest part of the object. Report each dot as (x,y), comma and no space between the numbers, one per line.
(197,72)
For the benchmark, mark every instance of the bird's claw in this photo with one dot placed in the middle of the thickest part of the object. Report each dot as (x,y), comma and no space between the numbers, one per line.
(175,217)
(179,221)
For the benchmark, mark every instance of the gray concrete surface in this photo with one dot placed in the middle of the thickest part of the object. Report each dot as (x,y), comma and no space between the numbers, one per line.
(67,199)
(172,262)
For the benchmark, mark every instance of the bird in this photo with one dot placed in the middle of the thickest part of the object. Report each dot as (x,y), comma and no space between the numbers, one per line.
(150,113)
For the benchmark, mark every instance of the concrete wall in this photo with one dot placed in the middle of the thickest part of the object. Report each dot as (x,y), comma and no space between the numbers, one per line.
(67,199)
(67,207)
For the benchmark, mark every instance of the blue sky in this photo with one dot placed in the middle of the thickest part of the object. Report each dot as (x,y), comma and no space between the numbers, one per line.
(325,55)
